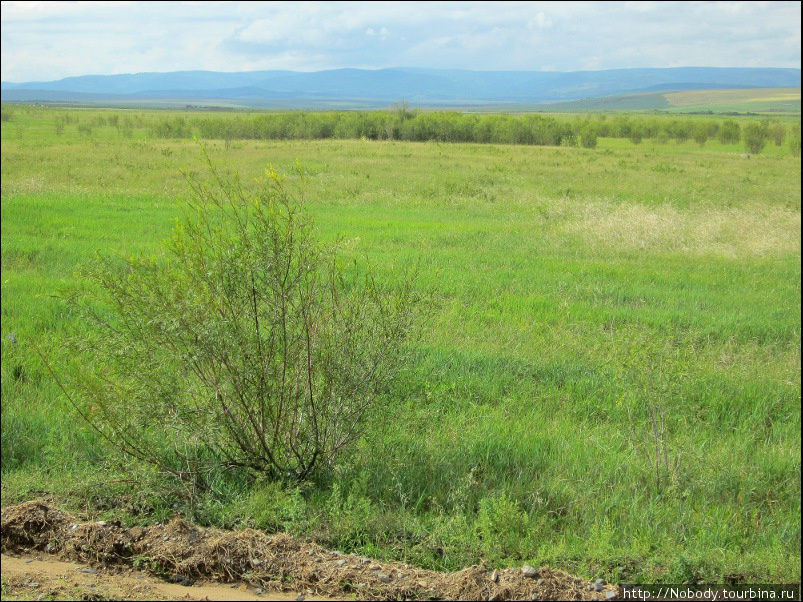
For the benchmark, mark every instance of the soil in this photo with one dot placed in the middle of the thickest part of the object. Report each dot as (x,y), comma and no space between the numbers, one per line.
(48,553)
(46,578)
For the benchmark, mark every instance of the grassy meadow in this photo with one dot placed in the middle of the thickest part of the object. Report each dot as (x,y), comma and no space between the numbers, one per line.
(610,384)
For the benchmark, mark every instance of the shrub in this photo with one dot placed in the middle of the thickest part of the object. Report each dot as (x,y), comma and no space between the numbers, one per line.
(177,127)
(777,132)
(755,137)
(501,526)
(701,133)
(247,344)
(794,142)
(730,132)
(588,137)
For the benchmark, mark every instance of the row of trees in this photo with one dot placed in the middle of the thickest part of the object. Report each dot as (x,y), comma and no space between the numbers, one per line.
(452,126)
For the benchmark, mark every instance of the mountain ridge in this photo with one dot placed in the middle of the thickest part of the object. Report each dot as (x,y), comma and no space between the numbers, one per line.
(418,85)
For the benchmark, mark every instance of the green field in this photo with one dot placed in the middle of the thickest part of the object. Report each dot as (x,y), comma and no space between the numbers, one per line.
(610,384)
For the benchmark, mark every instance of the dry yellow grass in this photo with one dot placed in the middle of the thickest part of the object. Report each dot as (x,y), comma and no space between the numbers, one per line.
(732,232)
(699,97)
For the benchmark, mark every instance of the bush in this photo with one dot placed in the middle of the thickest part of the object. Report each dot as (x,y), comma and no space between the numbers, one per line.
(177,127)
(794,142)
(701,133)
(730,132)
(247,344)
(755,137)
(588,137)
(501,526)
(777,133)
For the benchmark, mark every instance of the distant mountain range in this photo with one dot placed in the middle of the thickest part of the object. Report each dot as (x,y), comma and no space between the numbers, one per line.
(372,88)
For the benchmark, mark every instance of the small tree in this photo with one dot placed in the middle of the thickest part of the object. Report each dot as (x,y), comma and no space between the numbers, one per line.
(755,137)
(247,344)
(794,142)
(730,132)
(588,136)
(701,133)
(777,132)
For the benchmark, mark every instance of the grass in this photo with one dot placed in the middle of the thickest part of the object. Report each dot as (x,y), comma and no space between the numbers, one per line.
(611,384)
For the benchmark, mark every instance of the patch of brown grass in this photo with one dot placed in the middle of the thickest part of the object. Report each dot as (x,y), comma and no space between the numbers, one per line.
(728,232)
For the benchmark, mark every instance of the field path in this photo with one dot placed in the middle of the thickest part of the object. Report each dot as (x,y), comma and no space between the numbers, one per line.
(46,577)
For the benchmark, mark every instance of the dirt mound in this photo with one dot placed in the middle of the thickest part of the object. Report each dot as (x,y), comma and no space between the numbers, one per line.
(180,550)
(34,525)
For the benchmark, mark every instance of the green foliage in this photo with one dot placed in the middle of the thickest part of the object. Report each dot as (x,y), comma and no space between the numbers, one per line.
(442,126)
(729,132)
(755,137)
(351,518)
(588,137)
(248,345)
(176,127)
(777,133)
(501,526)
(272,507)
(701,133)
(794,141)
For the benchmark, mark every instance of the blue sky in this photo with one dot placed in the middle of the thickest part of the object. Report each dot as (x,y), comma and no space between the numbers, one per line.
(50,40)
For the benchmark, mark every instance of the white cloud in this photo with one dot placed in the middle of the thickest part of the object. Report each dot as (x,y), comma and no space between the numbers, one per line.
(49,40)
(540,21)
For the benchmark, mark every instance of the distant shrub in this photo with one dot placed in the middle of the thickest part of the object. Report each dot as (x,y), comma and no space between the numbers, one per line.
(679,130)
(588,137)
(776,133)
(701,133)
(729,132)
(177,127)
(794,142)
(755,137)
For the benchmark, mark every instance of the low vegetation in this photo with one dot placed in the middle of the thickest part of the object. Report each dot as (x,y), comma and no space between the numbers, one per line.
(609,382)
(246,345)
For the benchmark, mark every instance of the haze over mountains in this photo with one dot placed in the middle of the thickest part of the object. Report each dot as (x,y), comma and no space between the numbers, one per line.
(372,88)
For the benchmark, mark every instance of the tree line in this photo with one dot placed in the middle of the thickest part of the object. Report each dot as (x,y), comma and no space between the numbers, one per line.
(452,126)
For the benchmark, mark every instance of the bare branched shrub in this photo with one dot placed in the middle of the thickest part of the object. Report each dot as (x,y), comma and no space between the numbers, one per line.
(247,344)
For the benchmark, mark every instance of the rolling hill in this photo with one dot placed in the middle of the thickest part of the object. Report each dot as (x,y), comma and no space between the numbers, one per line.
(359,88)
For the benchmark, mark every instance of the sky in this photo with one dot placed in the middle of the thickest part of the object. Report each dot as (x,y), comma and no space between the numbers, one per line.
(49,40)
